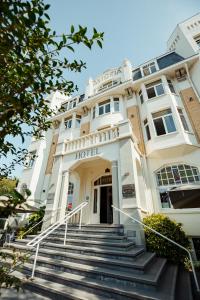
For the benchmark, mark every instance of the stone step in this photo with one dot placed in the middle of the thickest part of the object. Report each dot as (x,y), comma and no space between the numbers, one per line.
(102,289)
(147,280)
(106,228)
(124,245)
(128,255)
(140,263)
(86,236)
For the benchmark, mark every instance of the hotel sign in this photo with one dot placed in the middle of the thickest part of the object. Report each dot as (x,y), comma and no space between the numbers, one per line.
(87,153)
(107,75)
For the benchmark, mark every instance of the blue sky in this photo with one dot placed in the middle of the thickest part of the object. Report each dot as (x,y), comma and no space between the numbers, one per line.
(137,30)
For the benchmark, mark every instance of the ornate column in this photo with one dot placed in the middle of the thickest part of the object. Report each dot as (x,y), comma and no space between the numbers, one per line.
(115,192)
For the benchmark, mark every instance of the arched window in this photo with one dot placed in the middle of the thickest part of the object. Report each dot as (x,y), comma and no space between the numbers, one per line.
(177,174)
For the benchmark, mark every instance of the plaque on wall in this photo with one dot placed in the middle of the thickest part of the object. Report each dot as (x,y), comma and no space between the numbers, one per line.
(128,191)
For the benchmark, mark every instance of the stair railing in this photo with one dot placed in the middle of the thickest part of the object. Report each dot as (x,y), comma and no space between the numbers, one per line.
(44,234)
(166,238)
(41,221)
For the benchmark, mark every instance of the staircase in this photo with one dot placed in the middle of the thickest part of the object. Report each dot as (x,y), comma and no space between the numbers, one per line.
(99,262)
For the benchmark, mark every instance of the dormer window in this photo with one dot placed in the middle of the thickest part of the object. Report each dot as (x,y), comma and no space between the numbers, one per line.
(149,69)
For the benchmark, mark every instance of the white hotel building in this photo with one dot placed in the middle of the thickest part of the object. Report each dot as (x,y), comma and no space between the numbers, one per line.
(131,140)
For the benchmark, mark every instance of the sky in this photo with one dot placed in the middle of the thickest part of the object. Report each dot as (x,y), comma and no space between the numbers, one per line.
(133,29)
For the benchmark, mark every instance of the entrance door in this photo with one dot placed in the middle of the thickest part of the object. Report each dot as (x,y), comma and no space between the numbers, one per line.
(106,212)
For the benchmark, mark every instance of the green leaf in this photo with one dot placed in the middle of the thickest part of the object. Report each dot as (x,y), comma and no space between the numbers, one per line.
(72,29)
(99,43)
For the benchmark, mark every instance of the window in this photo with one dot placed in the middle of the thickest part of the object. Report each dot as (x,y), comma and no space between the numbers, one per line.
(183,120)
(147,131)
(197,40)
(78,121)
(68,123)
(72,104)
(154,89)
(163,122)
(93,112)
(171,87)
(180,74)
(116,104)
(141,97)
(177,174)
(149,69)
(104,107)
(30,159)
(108,84)
(70,188)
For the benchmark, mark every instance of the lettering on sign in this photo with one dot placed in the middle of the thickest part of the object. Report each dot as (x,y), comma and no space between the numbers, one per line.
(87,153)
(107,75)
(128,191)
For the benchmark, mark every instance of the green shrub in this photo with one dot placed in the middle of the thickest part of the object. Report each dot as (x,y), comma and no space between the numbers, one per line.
(170,229)
(33,219)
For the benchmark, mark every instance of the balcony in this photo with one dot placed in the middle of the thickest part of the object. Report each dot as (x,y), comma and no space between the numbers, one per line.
(98,138)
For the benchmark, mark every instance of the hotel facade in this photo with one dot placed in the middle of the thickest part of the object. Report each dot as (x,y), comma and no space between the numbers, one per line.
(132,140)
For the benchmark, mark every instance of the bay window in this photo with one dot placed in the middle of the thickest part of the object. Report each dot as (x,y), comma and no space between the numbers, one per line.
(104,107)
(154,89)
(163,122)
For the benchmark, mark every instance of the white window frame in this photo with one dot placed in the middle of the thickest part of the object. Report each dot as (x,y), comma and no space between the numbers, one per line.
(78,121)
(154,84)
(103,105)
(164,122)
(149,68)
(67,122)
(116,100)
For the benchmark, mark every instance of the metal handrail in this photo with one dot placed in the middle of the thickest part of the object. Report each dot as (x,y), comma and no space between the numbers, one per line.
(166,238)
(56,210)
(39,238)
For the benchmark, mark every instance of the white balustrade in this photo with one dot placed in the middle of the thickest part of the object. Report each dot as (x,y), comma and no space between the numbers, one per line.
(100,137)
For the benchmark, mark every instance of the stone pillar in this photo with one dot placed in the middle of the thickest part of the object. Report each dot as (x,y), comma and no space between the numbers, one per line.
(63,195)
(115,192)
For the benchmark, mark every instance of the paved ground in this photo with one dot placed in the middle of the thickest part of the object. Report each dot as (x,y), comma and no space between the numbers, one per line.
(11,294)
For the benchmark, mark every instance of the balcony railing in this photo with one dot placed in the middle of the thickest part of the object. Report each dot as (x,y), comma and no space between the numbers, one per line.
(93,139)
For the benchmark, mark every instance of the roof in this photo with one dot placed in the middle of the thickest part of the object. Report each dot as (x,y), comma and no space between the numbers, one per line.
(163,62)
(168,60)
